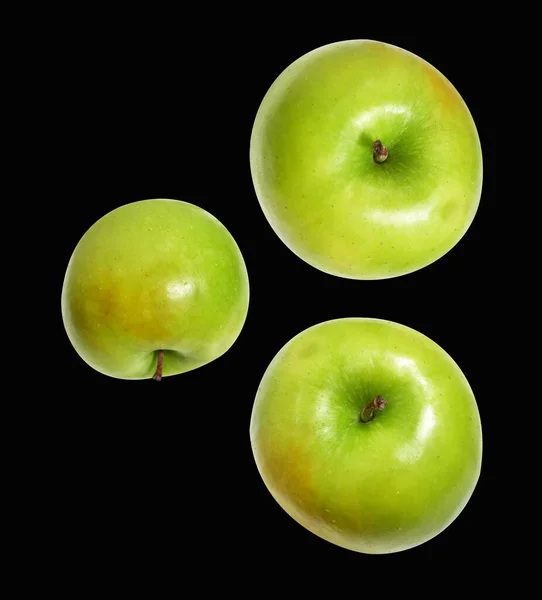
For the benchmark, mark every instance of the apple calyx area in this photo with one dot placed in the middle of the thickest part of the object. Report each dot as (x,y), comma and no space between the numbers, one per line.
(380,152)
(368,413)
(158,374)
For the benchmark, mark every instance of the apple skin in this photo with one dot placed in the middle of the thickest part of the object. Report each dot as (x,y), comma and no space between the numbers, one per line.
(313,170)
(154,275)
(378,487)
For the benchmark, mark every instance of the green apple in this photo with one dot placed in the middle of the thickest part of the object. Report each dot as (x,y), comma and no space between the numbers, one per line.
(367,433)
(154,288)
(366,160)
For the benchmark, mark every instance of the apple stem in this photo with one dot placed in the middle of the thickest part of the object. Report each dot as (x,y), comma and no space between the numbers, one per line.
(368,413)
(158,374)
(380,152)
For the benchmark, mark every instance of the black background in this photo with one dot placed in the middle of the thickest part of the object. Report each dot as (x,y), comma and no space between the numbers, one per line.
(148,472)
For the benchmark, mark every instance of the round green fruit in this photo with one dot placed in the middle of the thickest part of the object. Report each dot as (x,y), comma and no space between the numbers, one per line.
(367,433)
(366,160)
(154,288)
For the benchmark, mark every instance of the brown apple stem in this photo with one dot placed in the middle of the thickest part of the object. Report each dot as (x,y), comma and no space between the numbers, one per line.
(368,413)
(158,375)
(380,152)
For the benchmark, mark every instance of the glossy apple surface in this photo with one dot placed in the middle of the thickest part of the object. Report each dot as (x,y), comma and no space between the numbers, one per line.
(375,487)
(313,166)
(150,276)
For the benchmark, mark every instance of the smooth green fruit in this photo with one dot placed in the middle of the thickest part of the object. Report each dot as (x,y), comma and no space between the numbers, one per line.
(154,277)
(380,486)
(314,170)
